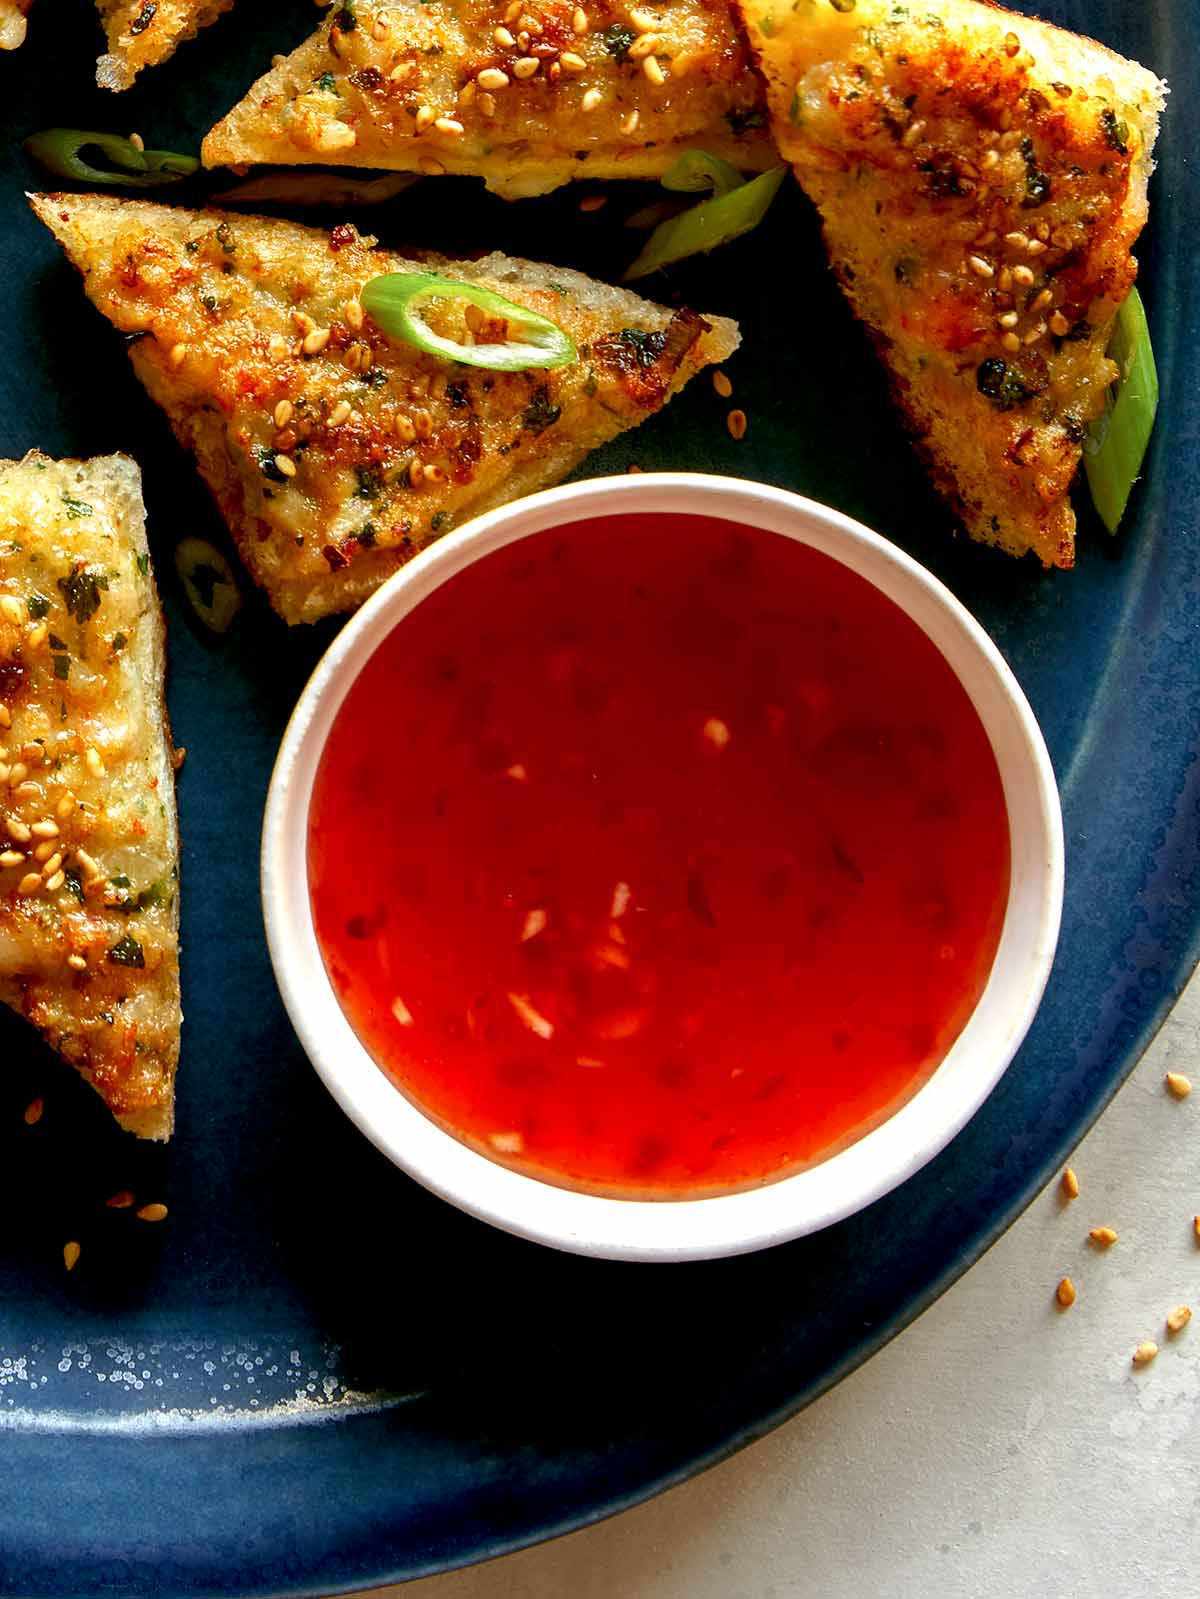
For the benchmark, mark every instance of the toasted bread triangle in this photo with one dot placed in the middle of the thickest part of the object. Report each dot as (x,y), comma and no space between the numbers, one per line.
(89,854)
(981,177)
(335,452)
(144,33)
(434,86)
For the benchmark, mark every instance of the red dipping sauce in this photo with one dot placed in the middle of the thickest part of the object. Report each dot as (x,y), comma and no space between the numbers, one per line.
(658,856)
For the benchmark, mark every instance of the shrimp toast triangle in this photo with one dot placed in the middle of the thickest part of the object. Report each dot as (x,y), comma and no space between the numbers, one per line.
(334,452)
(981,177)
(559,90)
(89,850)
(144,33)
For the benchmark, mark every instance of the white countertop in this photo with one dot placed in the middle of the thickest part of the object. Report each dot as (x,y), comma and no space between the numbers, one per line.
(999,1446)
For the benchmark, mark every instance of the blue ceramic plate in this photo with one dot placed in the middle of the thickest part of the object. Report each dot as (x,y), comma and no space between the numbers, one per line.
(315,1376)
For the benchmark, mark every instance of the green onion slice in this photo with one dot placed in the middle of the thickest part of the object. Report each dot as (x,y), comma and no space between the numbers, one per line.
(1116,442)
(60,151)
(209,583)
(316,188)
(709,224)
(397,299)
(696,170)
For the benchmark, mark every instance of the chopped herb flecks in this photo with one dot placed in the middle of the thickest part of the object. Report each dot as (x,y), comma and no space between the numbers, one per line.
(127,952)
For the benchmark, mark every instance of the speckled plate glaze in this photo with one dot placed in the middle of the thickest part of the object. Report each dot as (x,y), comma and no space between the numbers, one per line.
(314,1376)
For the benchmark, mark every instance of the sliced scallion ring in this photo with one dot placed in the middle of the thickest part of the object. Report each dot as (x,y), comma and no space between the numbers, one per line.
(59,150)
(709,224)
(1115,444)
(208,582)
(696,170)
(396,300)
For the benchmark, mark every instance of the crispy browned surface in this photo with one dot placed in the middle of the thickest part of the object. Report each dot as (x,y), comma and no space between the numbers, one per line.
(89,918)
(378,447)
(143,33)
(397,85)
(981,177)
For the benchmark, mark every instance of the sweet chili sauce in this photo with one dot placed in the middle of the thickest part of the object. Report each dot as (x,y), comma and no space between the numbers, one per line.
(658,856)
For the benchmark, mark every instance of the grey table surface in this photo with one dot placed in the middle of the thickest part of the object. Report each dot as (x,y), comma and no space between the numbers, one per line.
(998,1446)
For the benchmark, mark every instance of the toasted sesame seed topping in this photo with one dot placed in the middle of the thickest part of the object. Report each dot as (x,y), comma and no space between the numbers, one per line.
(45,829)
(405,429)
(5,715)
(1009,319)
(77,963)
(55,882)
(315,341)
(653,71)
(30,883)
(487,104)
(37,635)
(1035,247)
(466,95)
(435,474)
(722,384)
(17,831)
(1145,1352)
(646,45)
(629,124)
(178,355)
(423,423)
(579,21)
(50,862)
(285,464)
(913,132)
(17,773)
(504,38)
(1070,1183)
(1065,1292)
(525,66)
(1178,1319)
(33,1111)
(980,267)
(10,858)
(11,608)
(283,413)
(492,78)
(339,413)
(642,21)
(88,864)
(572,62)
(1017,241)
(152,1212)
(120,1201)
(71,1255)
(1011,342)
(450,126)
(989,159)
(736,423)
(1059,325)
(1178,1084)
(1104,1236)
(591,99)
(415,472)
(1022,275)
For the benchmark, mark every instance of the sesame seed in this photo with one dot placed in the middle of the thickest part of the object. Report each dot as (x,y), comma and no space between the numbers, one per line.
(435,474)
(30,883)
(178,355)
(316,341)
(593,202)
(913,132)
(1070,1183)
(591,99)
(415,473)
(571,62)
(535,923)
(1059,325)
(153,1212)
(54,883)
(425,118)
(980,267)
(1023,276)
(1065,1292)
(642,21)
(1011,44)
(736,423)
(339,413)
(528,24)
(466,95)
(1178,1084)
(512,11)
(137,141)
(10,606)
(579,21)
(17,831)
(1017,241)
(64,807)
(1008,320)
(88,864)
(77,963)
(52,860)
(405,429)
(285,464)
(507,1143)
(1178,1319)
(487,104)
(381,26)
(1035,247)
(5,715)
(654,71)
(1042,300)
(450,126)
(722,384)
(629,125)
(423,423)
(1104,1236)
(646,45)
(17,773)
(33,1112)
(37,635)
(11,857)
(504,39)
(525,66)
(120,1200)
(989,159)
(283,413)
(492,78)
(1145,1352)
(71,1255)
(46,829)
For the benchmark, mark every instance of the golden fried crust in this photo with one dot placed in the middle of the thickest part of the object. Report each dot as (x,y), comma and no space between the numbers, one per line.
(144,33)
(89,878)
(526,97)
(334,452)
(981,177)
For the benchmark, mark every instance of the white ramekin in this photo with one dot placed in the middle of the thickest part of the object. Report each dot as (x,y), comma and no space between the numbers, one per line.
(684,1229)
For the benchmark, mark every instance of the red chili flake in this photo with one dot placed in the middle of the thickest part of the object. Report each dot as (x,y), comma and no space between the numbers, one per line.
(345,233)
(336,557)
